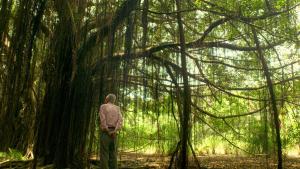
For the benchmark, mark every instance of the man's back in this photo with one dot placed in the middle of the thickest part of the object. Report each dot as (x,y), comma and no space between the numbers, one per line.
(110,116)
(111,123)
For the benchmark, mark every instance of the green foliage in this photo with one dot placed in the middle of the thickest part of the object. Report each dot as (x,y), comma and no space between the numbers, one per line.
(12,154)
(223,81)
(141,133)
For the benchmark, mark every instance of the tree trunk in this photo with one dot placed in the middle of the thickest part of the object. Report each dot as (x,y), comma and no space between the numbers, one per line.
(4,18)
(13,123)
(67,102)
(272,97)
(53,129)
(186,95)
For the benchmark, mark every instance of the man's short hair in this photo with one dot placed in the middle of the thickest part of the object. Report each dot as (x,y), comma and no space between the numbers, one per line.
(111,98)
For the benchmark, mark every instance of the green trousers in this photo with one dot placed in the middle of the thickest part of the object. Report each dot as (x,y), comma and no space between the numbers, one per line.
(108,152)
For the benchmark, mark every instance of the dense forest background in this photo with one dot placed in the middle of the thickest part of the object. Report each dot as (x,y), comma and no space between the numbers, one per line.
(192,77)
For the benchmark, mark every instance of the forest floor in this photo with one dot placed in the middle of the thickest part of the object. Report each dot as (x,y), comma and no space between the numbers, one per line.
(144,161)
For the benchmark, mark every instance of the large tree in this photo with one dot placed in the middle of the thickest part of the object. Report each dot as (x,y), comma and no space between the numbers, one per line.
(60,58)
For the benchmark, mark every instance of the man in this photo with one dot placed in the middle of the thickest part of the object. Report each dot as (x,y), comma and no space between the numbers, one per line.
(111,122)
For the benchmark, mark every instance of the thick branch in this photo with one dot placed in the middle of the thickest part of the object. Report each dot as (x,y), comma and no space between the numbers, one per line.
(225,117)
(272,96)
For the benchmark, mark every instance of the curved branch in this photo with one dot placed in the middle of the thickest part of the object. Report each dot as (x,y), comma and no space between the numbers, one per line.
(225,117)
(211,27)
(167,45)
(243,68)
(225,138)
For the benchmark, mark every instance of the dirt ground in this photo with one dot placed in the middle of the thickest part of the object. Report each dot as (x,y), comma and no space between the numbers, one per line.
(143,161)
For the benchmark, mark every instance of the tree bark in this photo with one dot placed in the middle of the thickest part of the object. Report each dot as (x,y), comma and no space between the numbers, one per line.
(186,95)
(272,96)
(14,133)
(67,103)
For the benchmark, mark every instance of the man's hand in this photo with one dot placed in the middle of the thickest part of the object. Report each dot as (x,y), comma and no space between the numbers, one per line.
(105,130)
(112,134)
